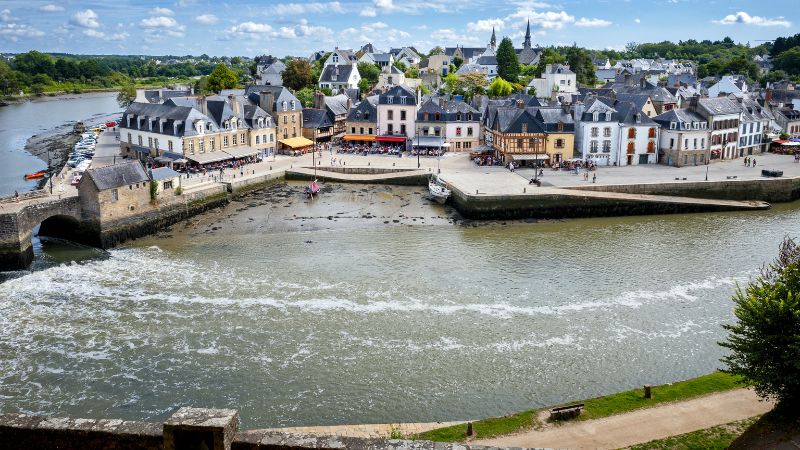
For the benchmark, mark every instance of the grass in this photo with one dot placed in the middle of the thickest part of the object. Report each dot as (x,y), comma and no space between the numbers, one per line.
(593,408)
(714,438)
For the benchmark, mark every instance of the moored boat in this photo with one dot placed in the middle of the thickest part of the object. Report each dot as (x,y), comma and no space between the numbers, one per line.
(438,189)
(35,175)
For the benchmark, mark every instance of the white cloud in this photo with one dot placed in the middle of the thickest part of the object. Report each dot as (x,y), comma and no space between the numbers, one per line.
(250,27)
(549,20)
(637,20)
(5,16)
(159,22)
(291,9)
(584,22)
(418,6)
(206,19)
(86,19)
(368,12)
(158,11)
(51,8)
(485,25)
(14,31)
(105,36)
(746,19)
(303,29)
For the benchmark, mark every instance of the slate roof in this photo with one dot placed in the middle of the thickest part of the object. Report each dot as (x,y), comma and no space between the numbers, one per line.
(398,92)
(342,73)
(163,173)
(364,111)
(117,175)
(640,100)
(678,116)
(337,104)
(562,69)
(174,118)
(605,74)
(538,120)
(471,68)
(316,118)
(627,114)
(280,94)
(382,57)
(719,106)
(487,61)
(529,56)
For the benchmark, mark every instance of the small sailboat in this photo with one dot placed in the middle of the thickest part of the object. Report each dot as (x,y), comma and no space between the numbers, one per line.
(438,189)
(312,189)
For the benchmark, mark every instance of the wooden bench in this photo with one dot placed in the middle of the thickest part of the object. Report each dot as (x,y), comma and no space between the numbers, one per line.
(566,412)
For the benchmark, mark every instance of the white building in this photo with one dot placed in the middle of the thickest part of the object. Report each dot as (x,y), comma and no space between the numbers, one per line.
(684,138)
(397,111)
(755,122)
(597,132)
(339,78)
(555,78)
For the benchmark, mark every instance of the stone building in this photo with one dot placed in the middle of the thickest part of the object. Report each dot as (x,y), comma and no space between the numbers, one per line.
(284,108)
(441,120)
(684,138)
(361,125)
(397,110)
(114,192)
(530,135)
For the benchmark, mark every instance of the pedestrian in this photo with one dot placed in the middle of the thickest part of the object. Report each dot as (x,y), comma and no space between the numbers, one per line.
(16,195)
(754,162)
(594,178)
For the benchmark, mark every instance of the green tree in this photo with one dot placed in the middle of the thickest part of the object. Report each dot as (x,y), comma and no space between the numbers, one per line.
(222,77)
(412,72)
(581,63)
(457,62)
(473,84)
(34,62)
(789,61)
(499,88)
(764,343)
(306,97)
(201,85)
(400,65)
(126,95)
(297,75)
(435,51)
(532,91)
(369,71)
(363,86)
(507,62)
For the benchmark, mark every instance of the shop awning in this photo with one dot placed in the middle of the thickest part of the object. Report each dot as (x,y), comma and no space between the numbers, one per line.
(138,149)
(296,142)
(529,156)
(209,157)
(359,137)
(390,138)
(427,141)
(241,152)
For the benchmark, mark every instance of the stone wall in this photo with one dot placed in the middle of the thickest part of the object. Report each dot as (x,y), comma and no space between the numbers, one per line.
(773,190)
(241,185)
(186,429)
(563,206)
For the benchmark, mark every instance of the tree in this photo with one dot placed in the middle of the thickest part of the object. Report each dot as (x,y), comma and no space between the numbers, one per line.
(363,86)
(34,62)
(400,65)
(500,88)
(126,95)
(581,63)
(297,74)
(507,62)
(412,72)
(201,85)
(473,83)
(435,51)
(789,61)
(532,91)
(764,343)
(306,97)
(369,71)
(457,62)
(222,77)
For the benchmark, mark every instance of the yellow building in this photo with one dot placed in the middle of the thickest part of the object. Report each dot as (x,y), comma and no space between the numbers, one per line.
(530,135)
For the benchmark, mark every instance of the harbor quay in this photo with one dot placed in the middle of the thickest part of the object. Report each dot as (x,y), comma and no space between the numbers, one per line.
(121,206)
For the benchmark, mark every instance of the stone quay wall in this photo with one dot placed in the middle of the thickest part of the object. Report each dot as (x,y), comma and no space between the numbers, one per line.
(186,429)
(772,190)
(569,206)
(401,178)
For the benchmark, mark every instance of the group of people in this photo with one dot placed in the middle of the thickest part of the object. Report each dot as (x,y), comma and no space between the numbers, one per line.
(749,161)
(365,149)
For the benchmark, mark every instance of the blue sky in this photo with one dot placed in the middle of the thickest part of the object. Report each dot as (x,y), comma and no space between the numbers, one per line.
(297,28)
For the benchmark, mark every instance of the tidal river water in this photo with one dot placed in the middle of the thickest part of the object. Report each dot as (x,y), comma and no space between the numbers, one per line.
(371,304)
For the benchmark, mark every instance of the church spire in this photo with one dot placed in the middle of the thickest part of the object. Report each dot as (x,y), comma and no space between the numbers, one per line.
(527,43)
(493,41)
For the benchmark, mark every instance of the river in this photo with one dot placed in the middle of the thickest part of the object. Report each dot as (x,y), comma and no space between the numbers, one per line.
(373,305)
(18,122)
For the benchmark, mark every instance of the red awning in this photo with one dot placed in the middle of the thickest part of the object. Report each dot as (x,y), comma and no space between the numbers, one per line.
(390,138)
(781,141)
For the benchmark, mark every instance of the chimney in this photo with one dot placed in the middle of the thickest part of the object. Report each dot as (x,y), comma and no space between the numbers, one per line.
(693,102)
(349,103)
(201,104)
(235,106)
(319,100)
(266,100)
(768,96)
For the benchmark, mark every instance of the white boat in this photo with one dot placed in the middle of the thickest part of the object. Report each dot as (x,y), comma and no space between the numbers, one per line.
(438,189)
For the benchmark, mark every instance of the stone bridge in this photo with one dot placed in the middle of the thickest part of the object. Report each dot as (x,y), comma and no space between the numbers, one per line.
(58,217)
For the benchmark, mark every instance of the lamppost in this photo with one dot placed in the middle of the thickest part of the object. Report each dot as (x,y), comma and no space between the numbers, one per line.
(418,162)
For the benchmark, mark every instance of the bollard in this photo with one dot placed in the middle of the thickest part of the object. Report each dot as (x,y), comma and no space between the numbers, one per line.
(392,164)
(647,391)
(470,430)
(524,190)
(476,192)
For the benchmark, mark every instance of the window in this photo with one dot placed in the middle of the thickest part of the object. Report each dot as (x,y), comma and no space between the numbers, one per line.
(593,146)
(285,120)
(271,138)
(403,114)
(353,130)
(672,125)
(469,116)
(294,131)
(242,138)
(402,128)
(469,131)
(425,117)
(651,147)
(140,141)
(283,106)
(520,143)
(695,142)
(234,139)
(389,99)
(168,184)
(686,143)
(370,131)
(532,142)
(438,116)
(402,99)
(191,146)
(130,139)
(114,195)
(213,144)
(458,131)
(607,132)
(606,146)
(202,147)
(150,142)
(390,115)
(608,116)
(595,131)
(467,144)
(562,81)
(651,133)
(258,139)
(458,145)
(672,143)
(559,143)
(292,105)
(294,118)
(224,141)
(631,133)
(361,130)
(390,128)
(524,127)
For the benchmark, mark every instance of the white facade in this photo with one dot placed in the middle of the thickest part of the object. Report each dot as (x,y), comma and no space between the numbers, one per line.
(638,144)
(397,118)
(556,78)
(677,142)
(160,142)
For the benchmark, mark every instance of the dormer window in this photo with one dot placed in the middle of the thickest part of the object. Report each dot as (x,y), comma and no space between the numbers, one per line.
(292,105)
(458,117)
(596,117)
(608,116)
(389,99)
(672,125)
(283,106)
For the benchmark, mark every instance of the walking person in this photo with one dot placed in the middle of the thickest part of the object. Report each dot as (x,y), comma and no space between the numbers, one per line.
(754,162)
(16,196)
(594,177)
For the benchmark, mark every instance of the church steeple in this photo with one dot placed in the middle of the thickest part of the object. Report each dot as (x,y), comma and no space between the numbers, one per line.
(527,42)
(493,40)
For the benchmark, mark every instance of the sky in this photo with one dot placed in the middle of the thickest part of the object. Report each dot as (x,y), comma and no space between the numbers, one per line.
(250,28)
